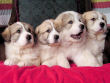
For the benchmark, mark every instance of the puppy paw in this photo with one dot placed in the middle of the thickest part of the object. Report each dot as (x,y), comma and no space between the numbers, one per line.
(21,64)
(48,64)
(91,65)
(98,65)
(64,65)
(9,62)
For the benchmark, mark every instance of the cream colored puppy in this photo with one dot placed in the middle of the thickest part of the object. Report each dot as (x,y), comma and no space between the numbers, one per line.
(48,39)
(19,45)
(73,36)
(97,28)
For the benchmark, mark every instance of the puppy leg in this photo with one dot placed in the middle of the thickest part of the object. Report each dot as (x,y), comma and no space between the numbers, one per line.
(50,62)
(29,63)
(24,63)
(62,61)
(10,62)
(35,61)
(21,63)
(100,59)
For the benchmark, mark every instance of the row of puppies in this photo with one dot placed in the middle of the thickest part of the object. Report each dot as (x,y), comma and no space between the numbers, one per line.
(70,36)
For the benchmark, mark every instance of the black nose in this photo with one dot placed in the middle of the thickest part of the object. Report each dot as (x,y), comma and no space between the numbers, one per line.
(56,37)
(28,37)
(82,26)
(102,25)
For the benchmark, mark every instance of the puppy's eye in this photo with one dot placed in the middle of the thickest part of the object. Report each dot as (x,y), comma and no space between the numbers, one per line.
(93,19)
(70,22)
(48,31)
(102,18)
(18,31)
(29,30)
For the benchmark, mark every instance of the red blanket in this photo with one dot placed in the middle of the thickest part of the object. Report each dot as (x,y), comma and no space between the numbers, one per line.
(55,74)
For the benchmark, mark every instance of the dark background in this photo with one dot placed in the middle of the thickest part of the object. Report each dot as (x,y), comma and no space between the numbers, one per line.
(36,11)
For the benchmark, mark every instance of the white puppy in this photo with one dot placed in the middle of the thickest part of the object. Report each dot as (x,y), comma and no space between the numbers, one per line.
(48,39)
(19,45)
(97,28)
(74,39)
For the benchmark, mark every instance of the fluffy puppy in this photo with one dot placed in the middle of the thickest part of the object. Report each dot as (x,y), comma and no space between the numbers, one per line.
(20,45)
(48,39)
(73,37)
(97,28)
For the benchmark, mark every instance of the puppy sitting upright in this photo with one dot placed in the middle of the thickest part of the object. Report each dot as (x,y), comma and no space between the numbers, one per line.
(97,28)
(48,39)
(73,38)
(19,45)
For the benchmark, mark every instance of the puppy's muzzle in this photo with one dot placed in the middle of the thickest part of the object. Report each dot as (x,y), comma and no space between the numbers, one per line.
(102,25)
(28,37)
(78,36)
(82,27)
(56,37)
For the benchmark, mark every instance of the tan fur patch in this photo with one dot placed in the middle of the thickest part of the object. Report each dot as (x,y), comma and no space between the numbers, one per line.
(6,34)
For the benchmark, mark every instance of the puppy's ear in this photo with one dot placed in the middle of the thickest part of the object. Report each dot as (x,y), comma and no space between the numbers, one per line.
(104,18)
(37,30)
(6,34)
(83,15)
(59,22)
(51,20)
(83,18)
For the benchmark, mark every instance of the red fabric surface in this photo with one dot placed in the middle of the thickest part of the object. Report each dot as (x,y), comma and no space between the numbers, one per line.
(55,74)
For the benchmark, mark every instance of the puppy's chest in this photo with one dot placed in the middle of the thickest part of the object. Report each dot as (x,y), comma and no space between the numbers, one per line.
(21,54)
(46,53)
(71,52)
(97,47)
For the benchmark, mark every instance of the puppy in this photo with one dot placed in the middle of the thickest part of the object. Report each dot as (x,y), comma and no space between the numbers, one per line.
(48,39)
(19,45)
(97,28)
(73,36)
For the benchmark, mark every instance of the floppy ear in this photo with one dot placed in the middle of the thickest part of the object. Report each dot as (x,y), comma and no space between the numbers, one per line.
(37,30)
(6,34)
(84,16)
(105,18)
(58,22)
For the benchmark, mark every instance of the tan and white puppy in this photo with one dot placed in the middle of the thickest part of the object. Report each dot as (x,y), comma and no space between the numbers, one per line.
(19,45)
(48,39)
(97,28)
(73,37)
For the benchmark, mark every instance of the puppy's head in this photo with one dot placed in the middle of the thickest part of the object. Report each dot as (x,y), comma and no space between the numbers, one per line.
(46,32)
(19,33)
(95,22)
(70,25)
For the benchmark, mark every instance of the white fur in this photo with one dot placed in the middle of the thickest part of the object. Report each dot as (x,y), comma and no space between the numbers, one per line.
(16,54)
(76,50)
(50,55)
(52,33)
(96,26)
(22,39)
(96,42)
